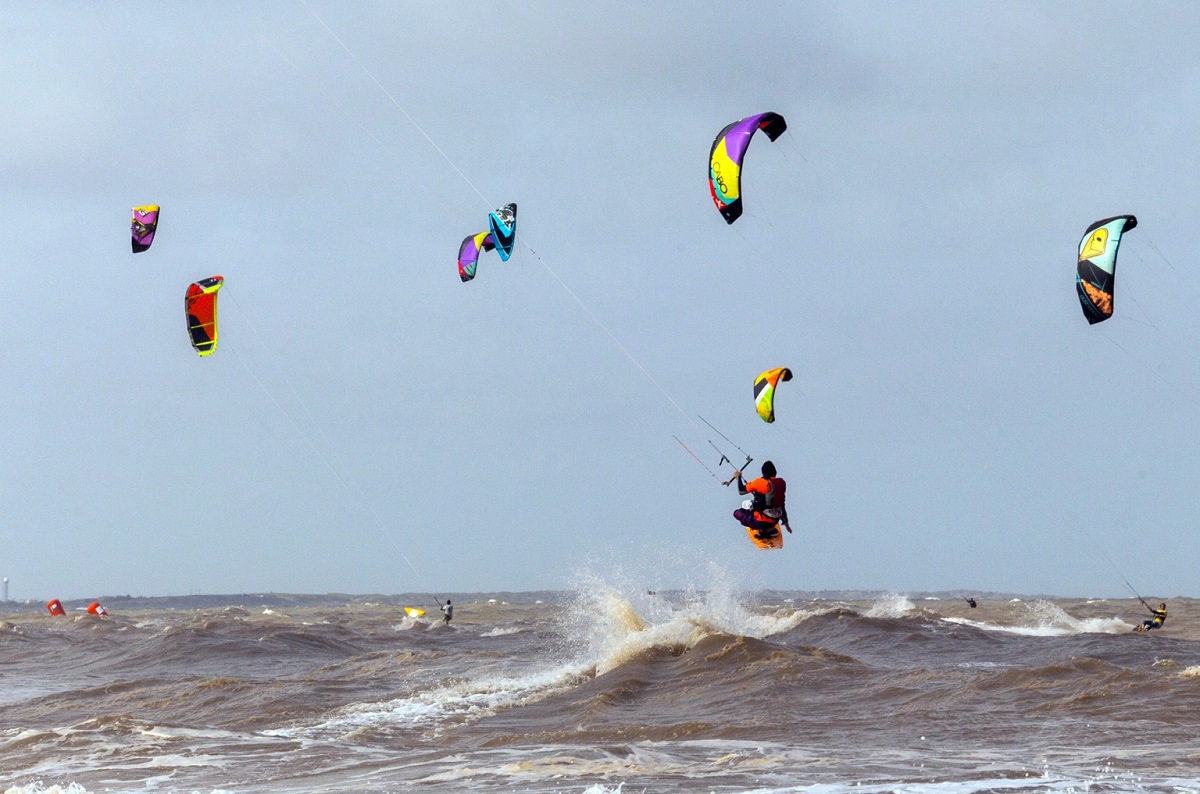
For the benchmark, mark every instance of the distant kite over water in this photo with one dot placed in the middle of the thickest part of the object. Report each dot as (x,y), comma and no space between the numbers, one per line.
(145,222)
(1096,275)
(201,305)
(725,160)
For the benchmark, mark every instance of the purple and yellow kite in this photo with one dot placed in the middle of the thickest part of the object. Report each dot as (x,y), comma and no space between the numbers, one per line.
(145,222)
(468,253)
(725,160)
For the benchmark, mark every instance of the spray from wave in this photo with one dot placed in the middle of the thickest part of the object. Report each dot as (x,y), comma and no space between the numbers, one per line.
(891,605)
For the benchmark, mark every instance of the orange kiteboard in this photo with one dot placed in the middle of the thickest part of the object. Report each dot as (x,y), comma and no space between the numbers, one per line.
(770,538)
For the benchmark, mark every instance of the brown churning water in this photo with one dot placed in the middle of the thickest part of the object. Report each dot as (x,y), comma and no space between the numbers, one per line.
(601,690)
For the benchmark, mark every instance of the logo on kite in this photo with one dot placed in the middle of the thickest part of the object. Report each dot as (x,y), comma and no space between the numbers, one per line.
(1096,274)
(725,160)
(468,253)
(503,225)
(764,391)
(145,222)
(201,306)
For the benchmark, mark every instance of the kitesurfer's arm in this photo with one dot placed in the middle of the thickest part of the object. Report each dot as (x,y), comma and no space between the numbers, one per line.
(741,483)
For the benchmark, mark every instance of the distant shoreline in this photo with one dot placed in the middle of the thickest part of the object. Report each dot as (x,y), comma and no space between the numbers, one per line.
(300,600)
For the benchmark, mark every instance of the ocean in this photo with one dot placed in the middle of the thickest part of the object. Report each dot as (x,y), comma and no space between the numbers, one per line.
(601,690)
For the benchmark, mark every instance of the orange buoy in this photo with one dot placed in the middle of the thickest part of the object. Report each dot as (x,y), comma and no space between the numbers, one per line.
(55,606)
(95,608)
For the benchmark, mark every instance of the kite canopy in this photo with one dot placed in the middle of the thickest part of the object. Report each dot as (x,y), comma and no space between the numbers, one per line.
(468,253)
(503,224)
(201,305)
(145,222)
(1096,274)
(725,160)
(764,391)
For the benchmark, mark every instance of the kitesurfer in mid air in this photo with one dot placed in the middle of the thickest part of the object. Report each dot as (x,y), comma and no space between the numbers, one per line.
(766,508)
(1156,622)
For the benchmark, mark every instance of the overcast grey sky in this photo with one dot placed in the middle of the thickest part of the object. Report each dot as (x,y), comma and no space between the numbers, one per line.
(908,249)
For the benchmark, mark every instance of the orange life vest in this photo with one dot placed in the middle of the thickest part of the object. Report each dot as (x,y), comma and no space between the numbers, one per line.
(770,495)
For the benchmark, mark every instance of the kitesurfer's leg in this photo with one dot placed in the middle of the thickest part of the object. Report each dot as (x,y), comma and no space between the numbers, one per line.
(747,519)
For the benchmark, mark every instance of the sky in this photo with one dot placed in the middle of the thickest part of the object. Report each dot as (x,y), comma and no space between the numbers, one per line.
(370,424)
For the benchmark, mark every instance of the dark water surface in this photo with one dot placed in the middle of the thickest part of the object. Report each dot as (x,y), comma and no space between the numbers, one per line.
(602,690)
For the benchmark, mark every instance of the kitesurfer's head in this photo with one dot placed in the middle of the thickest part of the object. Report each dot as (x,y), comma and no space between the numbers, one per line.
(1162,605)
(768,469)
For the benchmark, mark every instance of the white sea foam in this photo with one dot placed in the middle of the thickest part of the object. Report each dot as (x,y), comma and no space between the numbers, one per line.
(1044,619)
(711,761)
(502,632)
(1037,782)
(458,702)
(408,623)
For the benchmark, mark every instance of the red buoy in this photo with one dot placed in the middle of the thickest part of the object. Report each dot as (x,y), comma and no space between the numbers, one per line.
(55,606)
(95,608)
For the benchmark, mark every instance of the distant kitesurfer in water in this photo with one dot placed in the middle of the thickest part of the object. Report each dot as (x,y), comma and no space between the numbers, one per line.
(766,507)
(447,612)
(1156,622)
(970,601)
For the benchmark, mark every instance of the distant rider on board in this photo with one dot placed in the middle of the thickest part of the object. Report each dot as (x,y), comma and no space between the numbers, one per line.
(1156,622)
